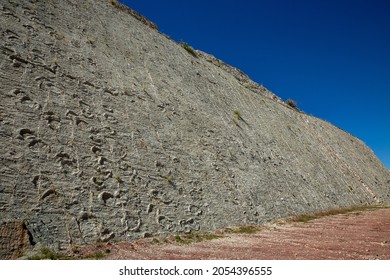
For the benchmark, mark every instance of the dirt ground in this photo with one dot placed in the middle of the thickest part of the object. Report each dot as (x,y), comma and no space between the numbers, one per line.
(356,235)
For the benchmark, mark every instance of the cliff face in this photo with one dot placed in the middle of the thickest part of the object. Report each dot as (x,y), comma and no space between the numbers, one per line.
(109,130)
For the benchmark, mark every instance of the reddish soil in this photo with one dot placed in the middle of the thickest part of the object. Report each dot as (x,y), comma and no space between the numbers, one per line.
(356,235)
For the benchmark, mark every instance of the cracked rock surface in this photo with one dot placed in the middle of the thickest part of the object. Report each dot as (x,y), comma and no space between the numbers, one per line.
(111,131)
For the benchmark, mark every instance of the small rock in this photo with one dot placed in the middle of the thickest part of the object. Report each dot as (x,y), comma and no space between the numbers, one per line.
(105,196)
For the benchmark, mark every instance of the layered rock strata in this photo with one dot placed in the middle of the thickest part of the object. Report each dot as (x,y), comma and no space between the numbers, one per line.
(111,131)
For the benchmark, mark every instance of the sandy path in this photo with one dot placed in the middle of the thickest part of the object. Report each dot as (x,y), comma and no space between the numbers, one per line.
(356,235)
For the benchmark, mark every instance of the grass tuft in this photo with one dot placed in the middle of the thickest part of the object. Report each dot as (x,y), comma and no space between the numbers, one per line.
(237,114)
(47,254)
(195,237)
(336,211)
(292,103)
(188,48)
(242,230)
(118,179)
(169,178)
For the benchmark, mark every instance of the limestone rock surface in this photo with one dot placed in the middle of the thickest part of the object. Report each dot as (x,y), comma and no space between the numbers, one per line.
(111,131)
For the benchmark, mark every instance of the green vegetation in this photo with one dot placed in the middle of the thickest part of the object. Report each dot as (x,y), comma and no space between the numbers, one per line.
(291,103)
(91,40)
(97,181)
(237,114)
(118,179)
(178,239)
(195,237)
(242,230)
(169,179)
(188,48)
(237,117)
(308,217)
(47,254)
(155,240)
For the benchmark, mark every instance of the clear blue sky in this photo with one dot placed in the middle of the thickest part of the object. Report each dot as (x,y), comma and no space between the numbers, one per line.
(331,56)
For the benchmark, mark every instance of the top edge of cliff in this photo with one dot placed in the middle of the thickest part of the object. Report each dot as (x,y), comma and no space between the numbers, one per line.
(242,78)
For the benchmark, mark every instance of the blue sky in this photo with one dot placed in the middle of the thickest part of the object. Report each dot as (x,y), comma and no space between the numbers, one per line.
(331,56)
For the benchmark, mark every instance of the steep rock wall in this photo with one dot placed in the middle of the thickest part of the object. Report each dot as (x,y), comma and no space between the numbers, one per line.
(109,130)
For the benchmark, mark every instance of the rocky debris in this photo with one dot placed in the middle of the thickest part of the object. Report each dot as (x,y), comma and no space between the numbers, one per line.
(15,239)
(355,236)
(111,131)
(358,235)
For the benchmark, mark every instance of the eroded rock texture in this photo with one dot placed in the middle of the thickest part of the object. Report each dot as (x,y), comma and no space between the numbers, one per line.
(109,130)
(15,239)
